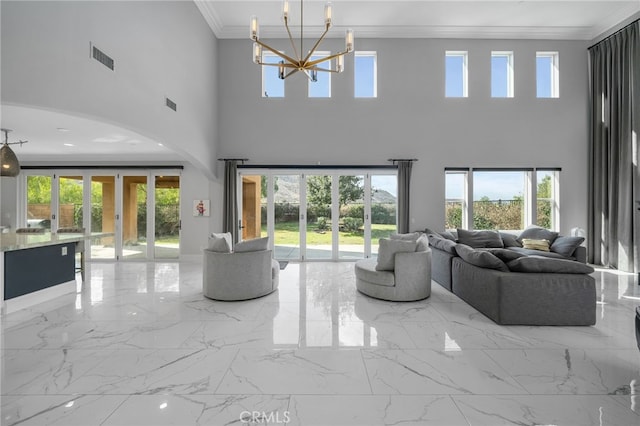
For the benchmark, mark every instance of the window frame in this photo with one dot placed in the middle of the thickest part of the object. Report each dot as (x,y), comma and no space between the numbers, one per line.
(325,64)
(509,73)
(530,193)
(554,74)
(366,53)
(465,72)
(266,55)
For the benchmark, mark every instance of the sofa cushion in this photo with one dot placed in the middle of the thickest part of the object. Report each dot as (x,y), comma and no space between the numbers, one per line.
(387,252)
(504,254)
(479,239)
(527,252)
(538,233)
(257,244)
(366,271)
(510,240)
(448,235)
(533,244)
(442,243)
(480,258)
(547,265)
(566,245)
(220,243)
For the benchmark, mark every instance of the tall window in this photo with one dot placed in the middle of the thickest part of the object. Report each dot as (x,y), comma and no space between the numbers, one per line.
(366,75)
(547,83)
(322,87)
(455,203)
(456,74)
(502,74)
(547,198)
(501,199)
(272,86)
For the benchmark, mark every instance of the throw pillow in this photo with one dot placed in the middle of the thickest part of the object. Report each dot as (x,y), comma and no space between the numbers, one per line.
(448,235)
(538,233)
(480,239)
(504,254)
(443,244)
(387,250)
(257,244)
(220,243)
(510,240)
(412,236)
(566,245)
(422,243)
(480,258)
(546,265)
(532,244)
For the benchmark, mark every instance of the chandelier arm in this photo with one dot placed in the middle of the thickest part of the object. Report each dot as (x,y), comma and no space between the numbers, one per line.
(295,49)
(293,71)
(326,58)
(280,54)
(285,65)
(315,46)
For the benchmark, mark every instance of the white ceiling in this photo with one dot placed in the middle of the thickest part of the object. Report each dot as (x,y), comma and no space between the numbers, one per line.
(98,141)
(533,19)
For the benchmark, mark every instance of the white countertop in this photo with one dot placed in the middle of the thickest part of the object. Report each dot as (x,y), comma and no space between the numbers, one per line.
(12,241)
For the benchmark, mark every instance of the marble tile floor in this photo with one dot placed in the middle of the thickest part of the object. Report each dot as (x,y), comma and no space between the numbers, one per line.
(139,345)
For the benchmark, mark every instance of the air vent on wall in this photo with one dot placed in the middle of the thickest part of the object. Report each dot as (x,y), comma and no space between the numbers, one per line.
(171,104)
(102,57)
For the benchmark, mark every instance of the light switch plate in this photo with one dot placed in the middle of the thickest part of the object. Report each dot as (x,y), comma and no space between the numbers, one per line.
(64,251)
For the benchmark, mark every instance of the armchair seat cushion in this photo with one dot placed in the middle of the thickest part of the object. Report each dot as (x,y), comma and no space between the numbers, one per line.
(366,270)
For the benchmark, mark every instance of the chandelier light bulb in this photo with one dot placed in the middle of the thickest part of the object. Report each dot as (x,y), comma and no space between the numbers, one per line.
(253,28)
(327,14)
(257,53)
(349,41)
(340,63)
(285,9)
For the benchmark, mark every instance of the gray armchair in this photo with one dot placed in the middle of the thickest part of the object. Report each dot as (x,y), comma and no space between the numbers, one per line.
(239,276)
(410,280)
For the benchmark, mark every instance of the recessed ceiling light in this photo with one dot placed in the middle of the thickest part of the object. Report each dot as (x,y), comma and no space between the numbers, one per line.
(68,144)
(159,144)
(62,129)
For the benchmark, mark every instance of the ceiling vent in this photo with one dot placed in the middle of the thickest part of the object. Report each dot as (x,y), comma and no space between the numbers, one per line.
(102,57)
(171,104)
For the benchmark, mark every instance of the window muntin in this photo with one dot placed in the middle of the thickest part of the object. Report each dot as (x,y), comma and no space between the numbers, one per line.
(365,75)
(322,87)
(272,86)
(502,74)
(456,74)
(547,75)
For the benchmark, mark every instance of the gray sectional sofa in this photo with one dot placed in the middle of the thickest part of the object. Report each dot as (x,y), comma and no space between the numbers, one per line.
(514,285)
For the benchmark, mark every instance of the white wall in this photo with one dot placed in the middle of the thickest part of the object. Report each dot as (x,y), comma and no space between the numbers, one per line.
(412,118)
(160,48)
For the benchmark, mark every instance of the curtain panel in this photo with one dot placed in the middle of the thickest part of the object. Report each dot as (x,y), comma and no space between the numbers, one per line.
(230,207)
(404,194)
(614,121)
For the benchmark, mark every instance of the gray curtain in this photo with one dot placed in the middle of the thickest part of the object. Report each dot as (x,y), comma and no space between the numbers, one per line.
(614,98)
(404,194)
(230,209)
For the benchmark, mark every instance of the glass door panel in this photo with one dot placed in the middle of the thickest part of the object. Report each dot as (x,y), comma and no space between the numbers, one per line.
(351,221)
(167,217)
(70,204)
(39,202)
(319,241)
(103,216)
(134,217)
(286,206)
(384,196)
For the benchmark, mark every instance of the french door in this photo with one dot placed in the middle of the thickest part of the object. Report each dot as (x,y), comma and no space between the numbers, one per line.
(140,208)
(318,214)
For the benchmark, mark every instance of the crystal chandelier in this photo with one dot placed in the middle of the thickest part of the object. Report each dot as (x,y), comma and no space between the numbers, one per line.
(289,65)
(10,166)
